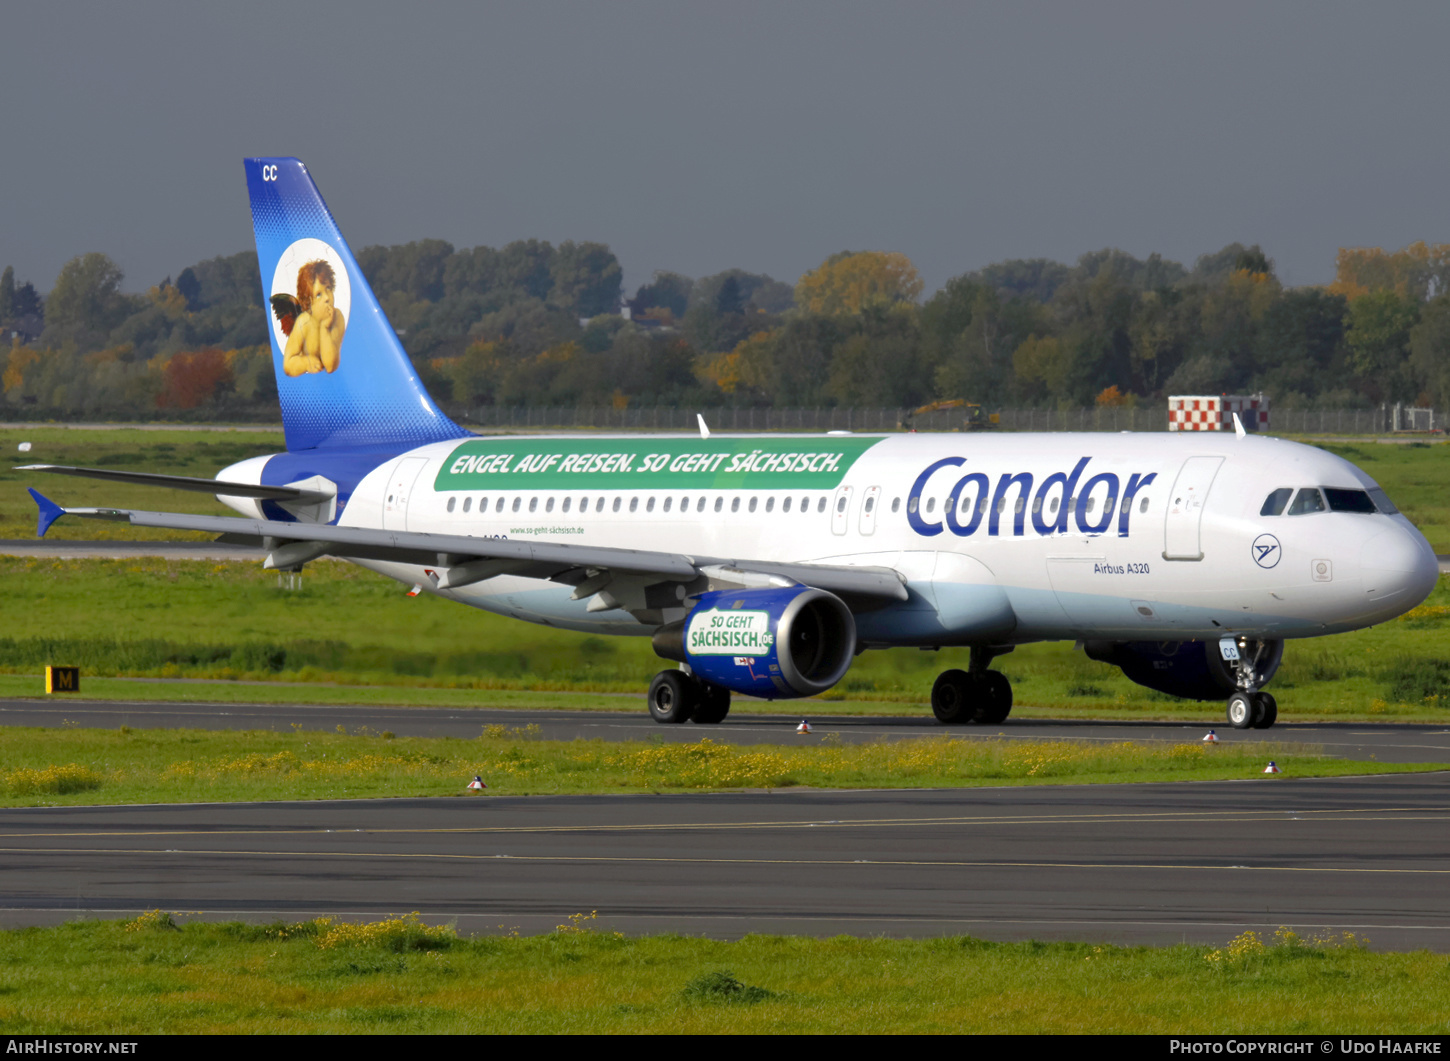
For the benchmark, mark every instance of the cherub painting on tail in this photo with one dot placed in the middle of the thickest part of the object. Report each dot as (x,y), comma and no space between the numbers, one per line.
(313,325)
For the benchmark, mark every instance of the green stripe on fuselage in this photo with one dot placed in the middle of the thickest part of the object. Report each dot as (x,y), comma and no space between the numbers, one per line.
(651,464)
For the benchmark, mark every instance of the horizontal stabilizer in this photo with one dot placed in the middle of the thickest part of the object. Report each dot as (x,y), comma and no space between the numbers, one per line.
(186,482)
(49,512)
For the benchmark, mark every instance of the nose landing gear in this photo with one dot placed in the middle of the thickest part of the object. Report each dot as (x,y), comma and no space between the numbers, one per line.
(1250,707)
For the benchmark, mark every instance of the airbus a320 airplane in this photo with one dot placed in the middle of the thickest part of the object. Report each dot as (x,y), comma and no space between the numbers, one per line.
(762,565)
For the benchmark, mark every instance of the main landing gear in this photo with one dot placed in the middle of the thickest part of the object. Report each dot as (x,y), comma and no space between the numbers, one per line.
(974,695)
(678,696)
(1250,707)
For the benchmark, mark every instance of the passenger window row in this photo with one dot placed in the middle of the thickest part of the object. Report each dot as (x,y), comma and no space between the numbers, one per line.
(601,504)
(1109,505)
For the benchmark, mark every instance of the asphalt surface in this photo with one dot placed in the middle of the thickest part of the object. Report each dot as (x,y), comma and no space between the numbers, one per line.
(1394,743)
(1158,864)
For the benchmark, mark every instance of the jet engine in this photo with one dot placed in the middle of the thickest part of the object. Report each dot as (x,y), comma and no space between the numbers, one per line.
(1194,670)
(774,643)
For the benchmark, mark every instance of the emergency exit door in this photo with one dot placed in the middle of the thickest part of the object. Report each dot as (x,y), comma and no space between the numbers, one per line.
(400,488)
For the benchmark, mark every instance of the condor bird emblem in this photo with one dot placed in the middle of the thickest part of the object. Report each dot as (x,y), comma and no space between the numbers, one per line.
(1266,550)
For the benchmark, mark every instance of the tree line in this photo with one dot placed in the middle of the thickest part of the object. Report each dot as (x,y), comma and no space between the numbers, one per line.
(536,324)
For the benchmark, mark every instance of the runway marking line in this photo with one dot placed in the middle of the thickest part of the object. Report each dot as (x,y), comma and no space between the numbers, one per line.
(1150,817)
(661,859)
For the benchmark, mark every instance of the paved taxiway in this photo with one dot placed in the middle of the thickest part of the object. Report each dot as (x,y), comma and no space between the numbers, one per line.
(1128,863)
(1398,743)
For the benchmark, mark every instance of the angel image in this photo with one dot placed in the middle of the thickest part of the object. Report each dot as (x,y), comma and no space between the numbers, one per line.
(312,324)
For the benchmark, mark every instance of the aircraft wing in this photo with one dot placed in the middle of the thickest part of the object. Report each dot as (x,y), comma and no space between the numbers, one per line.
(460,560)
(185,482)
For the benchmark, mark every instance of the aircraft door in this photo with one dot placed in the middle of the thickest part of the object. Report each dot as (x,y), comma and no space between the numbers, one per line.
(1185,508)
(869,503)
(400,488)
(841,510)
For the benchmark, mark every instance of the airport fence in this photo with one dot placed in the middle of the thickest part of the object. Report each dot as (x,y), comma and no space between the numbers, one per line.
(1383,420)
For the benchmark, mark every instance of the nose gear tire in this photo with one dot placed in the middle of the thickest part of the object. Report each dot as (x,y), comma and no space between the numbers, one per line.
(1268,710)
(1243,710)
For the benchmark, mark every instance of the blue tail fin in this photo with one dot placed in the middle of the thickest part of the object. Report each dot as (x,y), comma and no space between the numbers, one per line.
(343,377)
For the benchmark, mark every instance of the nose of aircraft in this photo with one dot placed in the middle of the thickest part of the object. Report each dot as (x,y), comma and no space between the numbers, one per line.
(1399,563)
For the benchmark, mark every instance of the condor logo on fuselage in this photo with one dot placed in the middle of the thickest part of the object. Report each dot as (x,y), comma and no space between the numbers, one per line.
(1057,500)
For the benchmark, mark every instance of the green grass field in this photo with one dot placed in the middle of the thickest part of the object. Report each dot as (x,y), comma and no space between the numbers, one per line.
(68,767)
(158,974)
(194,453)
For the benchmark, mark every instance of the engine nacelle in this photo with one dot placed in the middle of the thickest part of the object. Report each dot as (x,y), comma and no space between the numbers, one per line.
(776,643)
(1194,670)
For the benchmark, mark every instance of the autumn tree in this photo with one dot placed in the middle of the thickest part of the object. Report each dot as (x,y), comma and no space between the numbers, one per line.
(1299,350)
(86,302)
(745,371)
(586,278)
(1430,353)
(1043,365)
(223,281)
(969,332)
(413,269)
(666,290)
(194,379)
(1419,271)
(849,283)
(1378,336)
(1036,279)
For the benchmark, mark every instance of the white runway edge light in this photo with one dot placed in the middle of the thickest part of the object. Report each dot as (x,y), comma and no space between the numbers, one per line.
(1211,738)
(1272,768)
(804,727)
(476,785)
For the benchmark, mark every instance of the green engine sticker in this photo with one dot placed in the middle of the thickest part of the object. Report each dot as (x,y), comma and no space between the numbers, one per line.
(718,633)
(651,464)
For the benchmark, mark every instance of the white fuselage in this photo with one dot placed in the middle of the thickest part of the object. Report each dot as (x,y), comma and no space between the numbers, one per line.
(1156,537)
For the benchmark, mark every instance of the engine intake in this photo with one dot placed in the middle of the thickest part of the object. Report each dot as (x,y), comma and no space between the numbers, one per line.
(776,643)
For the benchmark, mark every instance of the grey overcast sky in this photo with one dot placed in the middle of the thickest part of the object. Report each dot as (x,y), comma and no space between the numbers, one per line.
(702,136)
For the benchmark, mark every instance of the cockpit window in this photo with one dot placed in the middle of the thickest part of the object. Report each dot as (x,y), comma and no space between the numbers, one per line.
(1275,502)
(1382,501)
(1348,500)
(1307,500)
